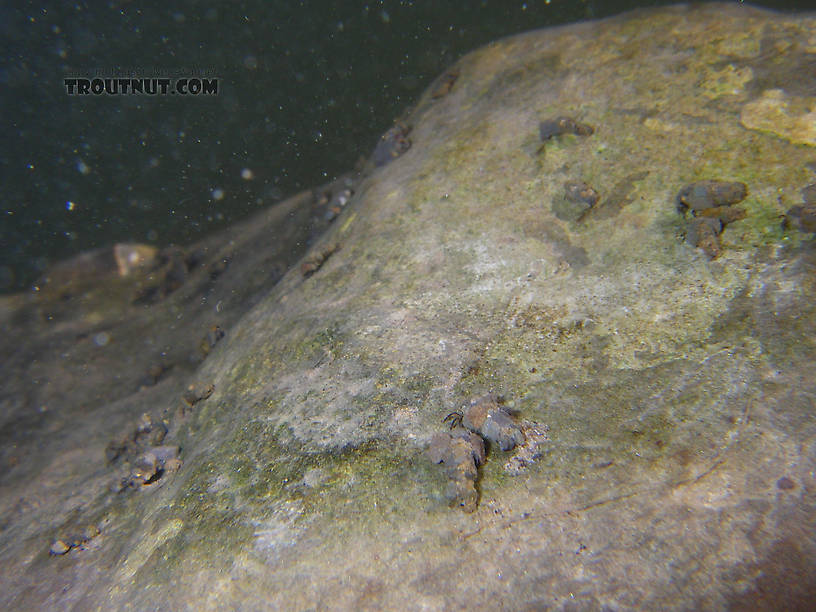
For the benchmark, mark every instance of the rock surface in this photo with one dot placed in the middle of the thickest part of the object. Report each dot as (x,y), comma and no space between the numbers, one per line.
(677,392)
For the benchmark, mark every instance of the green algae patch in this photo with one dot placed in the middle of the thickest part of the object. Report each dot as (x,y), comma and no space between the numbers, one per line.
(261,502)
(761,228)
(325,343)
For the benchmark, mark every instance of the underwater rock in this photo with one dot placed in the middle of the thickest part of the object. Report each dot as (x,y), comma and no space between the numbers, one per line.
(98,267)
(677,391)
(132,258)
(790,117)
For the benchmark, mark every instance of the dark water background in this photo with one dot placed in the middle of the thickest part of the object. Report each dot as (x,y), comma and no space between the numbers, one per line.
(305,89)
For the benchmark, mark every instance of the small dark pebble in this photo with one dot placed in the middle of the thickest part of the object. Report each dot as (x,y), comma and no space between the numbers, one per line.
(785,484)
(707,194)
(151,465)
(563,125)
(801,217)
(58,547)
(148,432)
(63,545)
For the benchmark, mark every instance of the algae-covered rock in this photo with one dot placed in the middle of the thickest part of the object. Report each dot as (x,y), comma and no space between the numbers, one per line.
(660,397)
(791,118)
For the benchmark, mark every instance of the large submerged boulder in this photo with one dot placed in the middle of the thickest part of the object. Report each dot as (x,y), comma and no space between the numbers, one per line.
(543,260)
